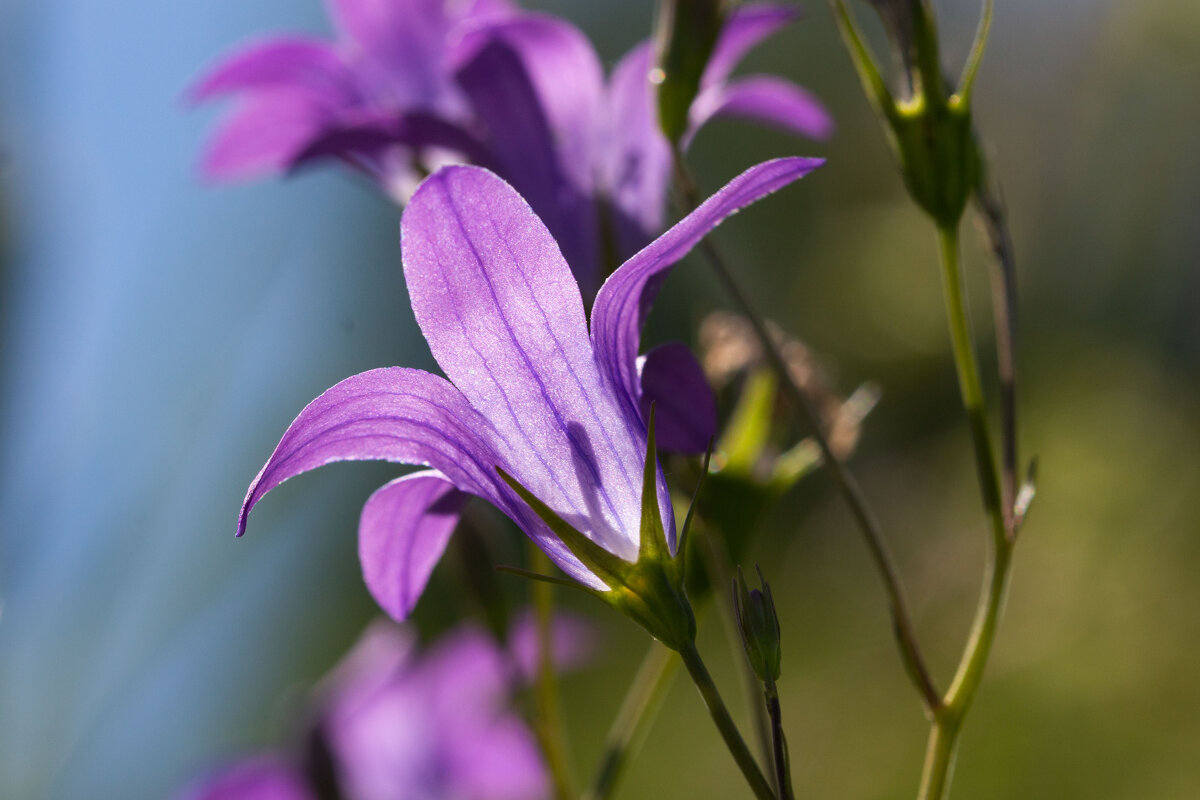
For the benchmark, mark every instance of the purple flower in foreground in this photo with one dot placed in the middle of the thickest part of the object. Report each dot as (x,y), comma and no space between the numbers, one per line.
(378,98)
(397,722)
(529,391)
(589,156)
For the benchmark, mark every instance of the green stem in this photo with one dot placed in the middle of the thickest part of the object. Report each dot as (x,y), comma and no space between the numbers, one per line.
(947,723)
(939,761)
(969,384)
(638,710)
(548,725)
(845,482)
(779,752)
(729,732)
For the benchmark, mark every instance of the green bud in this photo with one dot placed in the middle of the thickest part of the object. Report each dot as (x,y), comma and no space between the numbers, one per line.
(685,34)
(759,626)
(930,129)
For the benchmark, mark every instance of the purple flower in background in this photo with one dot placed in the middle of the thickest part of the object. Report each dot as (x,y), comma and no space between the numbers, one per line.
(394,721)
(529,390)
(435,724)
(413,83)
(381,97)
(589,155)
(270,776)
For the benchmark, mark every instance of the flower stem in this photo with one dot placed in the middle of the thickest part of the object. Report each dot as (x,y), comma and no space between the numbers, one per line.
(779,752)
(548,724)
(943,736)
(729,732)
(970,387)
(638,710)
(845,482)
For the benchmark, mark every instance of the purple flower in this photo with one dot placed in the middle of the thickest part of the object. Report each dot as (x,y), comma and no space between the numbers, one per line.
(395,721)
(589,155)
(432,725)
(529,391)
(269,776)
(379,98)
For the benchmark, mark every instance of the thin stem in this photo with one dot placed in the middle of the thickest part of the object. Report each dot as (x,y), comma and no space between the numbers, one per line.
(939,761)
(969,384)
(844,481)
(779,753)
(729,732)
(720,573)
(1004,305)
(943,737)
(638,710)
(548,725)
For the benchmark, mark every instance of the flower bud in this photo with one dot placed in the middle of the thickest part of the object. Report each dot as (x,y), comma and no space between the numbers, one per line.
(685,34)
(759,626)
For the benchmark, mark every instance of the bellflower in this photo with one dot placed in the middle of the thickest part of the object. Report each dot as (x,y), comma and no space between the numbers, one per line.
(393,720)
(379,97)
(266,776)
(602,167)
(530,395)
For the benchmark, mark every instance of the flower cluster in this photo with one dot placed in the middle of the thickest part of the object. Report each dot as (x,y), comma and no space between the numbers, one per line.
(412,84)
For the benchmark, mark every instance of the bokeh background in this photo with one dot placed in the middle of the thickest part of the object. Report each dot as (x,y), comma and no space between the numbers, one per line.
(159,333)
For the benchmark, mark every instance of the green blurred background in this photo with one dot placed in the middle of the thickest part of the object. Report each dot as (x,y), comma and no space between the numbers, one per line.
(140,642)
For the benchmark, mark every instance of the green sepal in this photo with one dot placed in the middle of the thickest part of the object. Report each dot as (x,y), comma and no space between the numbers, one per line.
(653,541)
(537,576)
(649,591)
(606,566)
(681,546)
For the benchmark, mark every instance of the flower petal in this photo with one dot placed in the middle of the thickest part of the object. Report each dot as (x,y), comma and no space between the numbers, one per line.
(636,158)
(685,406)
(536,84)
(746,27)
(567,78)
(261,777)
(405,416)
(764,98)
(400,45)
(625,299)
(372,136)
(294,63)
(504,319)
(264,135)
(402,534)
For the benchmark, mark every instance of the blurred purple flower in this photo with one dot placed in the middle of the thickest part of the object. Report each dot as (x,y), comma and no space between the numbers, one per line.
(589,155)
(380,97)
(529,391)
(432,725)
(397,722)
(413,83)
(269,776)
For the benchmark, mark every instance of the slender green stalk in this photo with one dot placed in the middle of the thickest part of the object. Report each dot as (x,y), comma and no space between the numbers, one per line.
(845,482)
(720,573)
(1004,304)
(548,724)
(725,724)
(939,761)
(943,736)
(969,384)
(638,710)
(779,752)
